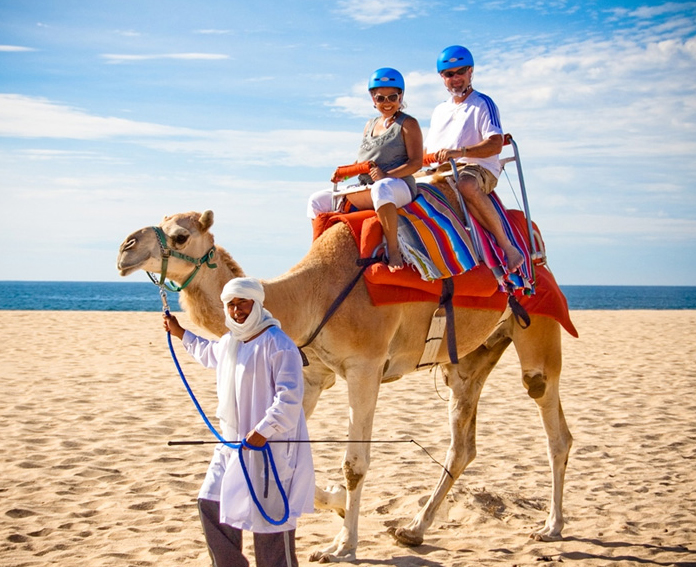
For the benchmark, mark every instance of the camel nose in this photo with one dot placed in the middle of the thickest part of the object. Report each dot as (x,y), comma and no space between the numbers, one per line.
(128,244)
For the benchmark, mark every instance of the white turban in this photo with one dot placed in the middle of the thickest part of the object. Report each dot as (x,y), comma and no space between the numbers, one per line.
(258,320)
(244,288)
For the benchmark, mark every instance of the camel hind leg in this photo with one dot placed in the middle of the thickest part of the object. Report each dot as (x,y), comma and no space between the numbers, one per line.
(539,351)
(465,380)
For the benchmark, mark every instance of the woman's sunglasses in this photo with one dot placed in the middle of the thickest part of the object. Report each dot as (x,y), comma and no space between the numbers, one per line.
(450,74)
(381,98)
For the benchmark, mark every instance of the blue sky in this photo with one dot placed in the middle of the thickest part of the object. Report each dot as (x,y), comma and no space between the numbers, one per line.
(114,114)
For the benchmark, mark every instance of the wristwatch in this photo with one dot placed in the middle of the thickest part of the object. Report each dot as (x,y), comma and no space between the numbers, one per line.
(463,150)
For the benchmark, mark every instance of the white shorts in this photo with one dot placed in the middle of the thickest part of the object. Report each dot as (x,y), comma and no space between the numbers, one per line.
(387,190)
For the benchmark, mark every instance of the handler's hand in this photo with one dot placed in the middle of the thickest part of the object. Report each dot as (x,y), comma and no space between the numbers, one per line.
(171,325)
(255,439)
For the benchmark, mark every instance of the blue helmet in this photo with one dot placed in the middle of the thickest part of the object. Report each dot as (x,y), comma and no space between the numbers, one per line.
(386,77)
(454,56)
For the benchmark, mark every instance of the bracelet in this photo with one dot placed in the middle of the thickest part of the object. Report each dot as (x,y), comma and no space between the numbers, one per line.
(463,150)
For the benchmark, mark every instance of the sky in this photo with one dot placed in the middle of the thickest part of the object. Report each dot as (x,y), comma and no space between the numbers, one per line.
(115,114)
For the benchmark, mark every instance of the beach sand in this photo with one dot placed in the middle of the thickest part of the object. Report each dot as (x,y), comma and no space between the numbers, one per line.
(89,400)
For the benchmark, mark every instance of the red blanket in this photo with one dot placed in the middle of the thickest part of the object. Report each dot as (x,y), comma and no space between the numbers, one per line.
(475,289)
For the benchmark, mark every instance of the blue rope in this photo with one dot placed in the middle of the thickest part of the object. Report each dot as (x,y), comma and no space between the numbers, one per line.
(266,449)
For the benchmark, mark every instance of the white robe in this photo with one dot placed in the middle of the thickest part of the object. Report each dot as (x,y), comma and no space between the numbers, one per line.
(269,388)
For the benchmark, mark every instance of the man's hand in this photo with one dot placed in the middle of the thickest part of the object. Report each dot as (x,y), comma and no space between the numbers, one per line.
(171,325)
(255,439)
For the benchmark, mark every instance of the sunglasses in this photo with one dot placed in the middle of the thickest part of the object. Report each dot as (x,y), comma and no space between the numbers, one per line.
(450,74)
(381,98)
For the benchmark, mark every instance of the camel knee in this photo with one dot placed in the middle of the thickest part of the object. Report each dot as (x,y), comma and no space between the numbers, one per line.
(354,471)
(535,383)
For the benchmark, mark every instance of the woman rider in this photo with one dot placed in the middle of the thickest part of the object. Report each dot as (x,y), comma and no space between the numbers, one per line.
(393,144)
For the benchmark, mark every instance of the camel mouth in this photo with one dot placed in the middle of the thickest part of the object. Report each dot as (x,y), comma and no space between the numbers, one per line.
(125,270)
(125,266)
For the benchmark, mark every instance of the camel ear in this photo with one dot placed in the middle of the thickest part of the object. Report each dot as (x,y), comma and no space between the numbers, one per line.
(206,220)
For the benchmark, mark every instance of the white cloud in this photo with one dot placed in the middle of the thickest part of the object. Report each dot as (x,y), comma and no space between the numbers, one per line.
(649,12)
(213,32)
(33,117)
(375,12)
(120,58)
(128,33)
(15,48)
(30,117)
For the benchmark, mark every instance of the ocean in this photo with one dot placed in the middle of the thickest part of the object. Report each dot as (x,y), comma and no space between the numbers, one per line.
(144,296)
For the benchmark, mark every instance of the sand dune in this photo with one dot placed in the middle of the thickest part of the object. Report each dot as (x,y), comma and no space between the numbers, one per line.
(89,401)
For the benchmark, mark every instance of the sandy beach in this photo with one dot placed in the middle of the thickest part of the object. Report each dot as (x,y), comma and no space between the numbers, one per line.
(90,399)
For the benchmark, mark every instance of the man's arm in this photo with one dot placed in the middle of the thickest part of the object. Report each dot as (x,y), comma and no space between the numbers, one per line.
(489,147)
(285,411)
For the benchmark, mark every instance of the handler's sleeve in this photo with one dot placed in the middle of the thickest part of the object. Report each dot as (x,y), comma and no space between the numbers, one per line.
(284,414)
(203,350)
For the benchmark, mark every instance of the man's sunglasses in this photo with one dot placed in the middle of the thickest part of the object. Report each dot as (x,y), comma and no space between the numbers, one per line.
(450,74)
(381,98)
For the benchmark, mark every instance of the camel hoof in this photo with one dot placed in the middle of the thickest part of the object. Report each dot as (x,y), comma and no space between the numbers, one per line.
(405,537)
(324,557)
(540,536)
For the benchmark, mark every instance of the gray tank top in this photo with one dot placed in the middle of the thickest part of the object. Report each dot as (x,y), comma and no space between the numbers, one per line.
(387,150)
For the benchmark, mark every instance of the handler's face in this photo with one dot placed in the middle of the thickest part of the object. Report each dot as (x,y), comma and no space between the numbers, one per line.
(240,308)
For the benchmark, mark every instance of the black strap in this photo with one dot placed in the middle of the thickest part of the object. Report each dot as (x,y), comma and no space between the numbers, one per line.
(446,302)
(519,312)
(364,263)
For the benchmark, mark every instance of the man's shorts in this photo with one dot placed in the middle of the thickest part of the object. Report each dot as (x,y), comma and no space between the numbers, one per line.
(486,180)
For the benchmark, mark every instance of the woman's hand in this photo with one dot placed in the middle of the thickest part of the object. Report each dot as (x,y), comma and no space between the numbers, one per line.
(375,172)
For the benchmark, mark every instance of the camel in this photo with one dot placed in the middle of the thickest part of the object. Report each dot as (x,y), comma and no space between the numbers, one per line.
(367,345)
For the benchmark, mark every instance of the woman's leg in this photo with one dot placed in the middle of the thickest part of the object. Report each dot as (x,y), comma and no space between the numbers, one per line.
(389,194)
(389,218)
(320,202)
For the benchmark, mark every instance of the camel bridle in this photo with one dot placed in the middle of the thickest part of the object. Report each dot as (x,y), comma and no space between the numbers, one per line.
(167,252)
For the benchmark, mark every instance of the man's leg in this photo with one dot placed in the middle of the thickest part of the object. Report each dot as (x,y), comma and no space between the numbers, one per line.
(483,210)
(224,542)
(275,550)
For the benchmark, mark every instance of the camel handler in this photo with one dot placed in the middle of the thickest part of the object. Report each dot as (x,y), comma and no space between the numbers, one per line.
(467,129)
(259,388)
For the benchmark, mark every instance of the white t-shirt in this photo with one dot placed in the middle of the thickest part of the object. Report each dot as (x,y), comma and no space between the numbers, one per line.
(269,388)
(455,125)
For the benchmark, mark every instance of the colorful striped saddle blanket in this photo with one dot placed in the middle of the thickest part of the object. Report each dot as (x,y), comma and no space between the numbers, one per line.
(437,243)
(476,288)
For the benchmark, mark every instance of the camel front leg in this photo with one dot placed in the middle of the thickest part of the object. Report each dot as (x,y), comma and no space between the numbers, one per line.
(362,397)
(539,349)
(465,381)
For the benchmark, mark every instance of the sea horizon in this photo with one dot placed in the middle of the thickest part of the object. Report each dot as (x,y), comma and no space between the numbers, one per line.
(18,295)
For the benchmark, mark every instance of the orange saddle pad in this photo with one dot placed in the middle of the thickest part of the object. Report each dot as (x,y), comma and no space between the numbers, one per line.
(475,289)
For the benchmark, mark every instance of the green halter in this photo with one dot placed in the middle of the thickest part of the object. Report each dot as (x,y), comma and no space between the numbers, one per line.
(167,252)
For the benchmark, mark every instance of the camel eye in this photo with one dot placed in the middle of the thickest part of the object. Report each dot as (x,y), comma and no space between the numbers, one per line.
(180,239)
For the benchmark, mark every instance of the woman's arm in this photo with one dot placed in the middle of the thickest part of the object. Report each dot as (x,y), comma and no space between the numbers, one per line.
(413,139)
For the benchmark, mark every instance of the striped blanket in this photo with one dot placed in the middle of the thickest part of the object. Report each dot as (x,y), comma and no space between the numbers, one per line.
(438,245)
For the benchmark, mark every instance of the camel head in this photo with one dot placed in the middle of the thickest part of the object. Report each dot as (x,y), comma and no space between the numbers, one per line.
(185,234)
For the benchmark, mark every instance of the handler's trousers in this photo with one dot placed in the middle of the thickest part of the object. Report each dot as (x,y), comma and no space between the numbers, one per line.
(225,542)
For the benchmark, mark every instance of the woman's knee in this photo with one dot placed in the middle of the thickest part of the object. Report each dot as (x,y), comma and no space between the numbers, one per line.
(319,202)
(390,190)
